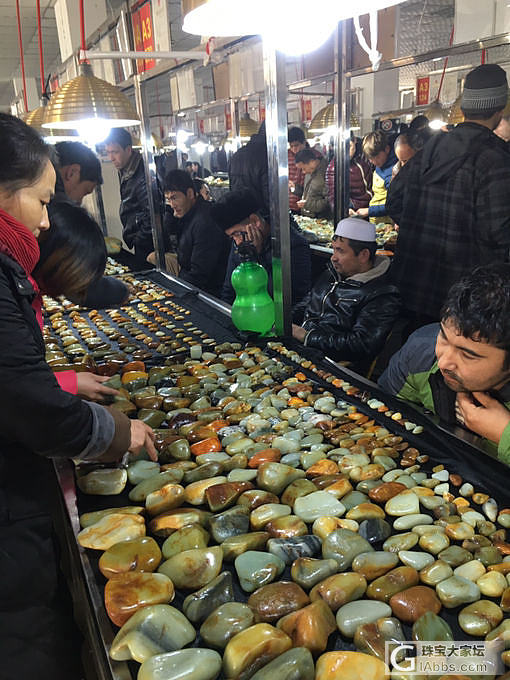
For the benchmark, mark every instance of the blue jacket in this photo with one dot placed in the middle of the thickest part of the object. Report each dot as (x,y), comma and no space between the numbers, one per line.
(300,267)
(385,172)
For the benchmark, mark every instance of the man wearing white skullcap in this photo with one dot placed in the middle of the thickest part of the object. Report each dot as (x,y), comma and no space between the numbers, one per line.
(352,308)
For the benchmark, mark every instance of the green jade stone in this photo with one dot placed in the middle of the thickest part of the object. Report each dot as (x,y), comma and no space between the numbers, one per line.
(188,537)
(343,546)
(140,470)
(308,571)
(140,492)
(109,482)
(295,664)
(237,545)
(256,569)
(225,622)
(432,627)
(199,605)
(186,664)
(152,630)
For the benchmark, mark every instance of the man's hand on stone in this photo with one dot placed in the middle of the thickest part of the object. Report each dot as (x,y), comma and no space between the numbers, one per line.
(298,332)
(488,418)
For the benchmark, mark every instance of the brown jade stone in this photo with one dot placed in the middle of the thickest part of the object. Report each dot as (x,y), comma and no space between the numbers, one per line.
(339,589)
(265,456)
(309,627)
(385,491)
(275,600)
(221,496)
(255,497)
(396,580)
(286,527)
(412,603)
(138,554)
(324,481)
(125,594)
(322,467)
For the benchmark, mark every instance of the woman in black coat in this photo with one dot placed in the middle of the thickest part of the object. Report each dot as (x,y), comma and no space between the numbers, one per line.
(38,421)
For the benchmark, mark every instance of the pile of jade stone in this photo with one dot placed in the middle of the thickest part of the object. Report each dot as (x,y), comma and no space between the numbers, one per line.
(287,525)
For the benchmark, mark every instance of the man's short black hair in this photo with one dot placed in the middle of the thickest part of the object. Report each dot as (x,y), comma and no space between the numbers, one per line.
(235,207)
(178,180)
(296,135)
(358,246)
(479,306)
(305,156)
(119,136)
(76,153)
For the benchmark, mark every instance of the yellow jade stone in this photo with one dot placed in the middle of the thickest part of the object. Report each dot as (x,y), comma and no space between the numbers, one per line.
(323,526)
(111,529)
(194,494)
(350,666)
(253,648)
(168,497)
(138,554)
(422,491)
(365,511)
(89,518)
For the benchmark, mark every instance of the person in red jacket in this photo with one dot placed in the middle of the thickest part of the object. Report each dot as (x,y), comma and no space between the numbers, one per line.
(297,143)
(360,178)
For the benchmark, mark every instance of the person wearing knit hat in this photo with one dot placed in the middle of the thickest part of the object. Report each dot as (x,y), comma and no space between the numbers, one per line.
(241,215)
(353,306)
(452,203)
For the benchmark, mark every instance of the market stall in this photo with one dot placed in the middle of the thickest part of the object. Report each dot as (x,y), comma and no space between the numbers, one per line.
(186,341)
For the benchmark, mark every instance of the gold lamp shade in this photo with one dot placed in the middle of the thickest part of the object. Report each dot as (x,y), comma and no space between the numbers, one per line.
(156,142)
(87,98)
(35,119)
(455,114)
(435,112)
(323,119)
(247,127)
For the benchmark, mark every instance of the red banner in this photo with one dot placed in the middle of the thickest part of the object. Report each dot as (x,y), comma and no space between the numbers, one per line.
(422,91)
(141,19)
(228,120)
(307,106)
(201,126)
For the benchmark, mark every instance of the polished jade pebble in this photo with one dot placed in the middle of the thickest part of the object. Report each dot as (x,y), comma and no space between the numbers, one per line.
(405,503)
(140,470)
(203,471)
(295,664)
(238,475)
(308,571)
(267,512)
(317,504)
(225,622)
(399,542)
(137,554)
(143,489)
(229,523)
(178,450)
(435,572)
(186,664)
(151,417)
(237,545)
(374,564)
(471,570)
(418,560)
(480,618)
(354,498)
(256,569)
(308,459)
(343,546)
(111,529)
(374,530)
(455,555)
(297,489)
(407,522)
(108,482)
(289,549)
(89,518)
(188,537)
(457,590)
(371,638)
(204,601)
(193,569)
(359,612)
(432,627)
(152,630)
(275,477)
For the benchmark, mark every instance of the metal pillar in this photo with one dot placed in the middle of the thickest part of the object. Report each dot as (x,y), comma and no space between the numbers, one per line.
(150,175)
(278,174)
(343,118)
(100,206)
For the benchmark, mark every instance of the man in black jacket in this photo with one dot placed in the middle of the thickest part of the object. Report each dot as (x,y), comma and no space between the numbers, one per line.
(240,214)
(249,169)
(451,201)
(352,308)
(202,249)
(134,206)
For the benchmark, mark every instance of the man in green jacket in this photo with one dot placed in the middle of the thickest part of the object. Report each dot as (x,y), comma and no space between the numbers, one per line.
(460,369)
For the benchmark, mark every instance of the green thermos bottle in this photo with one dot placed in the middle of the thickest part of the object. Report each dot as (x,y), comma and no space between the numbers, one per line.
(253,307)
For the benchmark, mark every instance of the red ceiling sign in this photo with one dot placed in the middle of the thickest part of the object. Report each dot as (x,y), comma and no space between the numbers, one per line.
(307,109)
(422,91)
(141,19)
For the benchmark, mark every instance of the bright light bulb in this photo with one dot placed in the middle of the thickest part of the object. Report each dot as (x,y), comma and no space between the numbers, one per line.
(210,148)
(436,124)
(200,147)
(93,130)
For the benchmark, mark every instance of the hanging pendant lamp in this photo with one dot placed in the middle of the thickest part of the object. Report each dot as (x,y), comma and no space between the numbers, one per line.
(247,127)
(323,119)
(436,115)
(36,118)
(279,22)
(455,114)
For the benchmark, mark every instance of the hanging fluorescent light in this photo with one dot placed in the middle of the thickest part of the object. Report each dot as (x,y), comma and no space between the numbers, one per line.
(286,29)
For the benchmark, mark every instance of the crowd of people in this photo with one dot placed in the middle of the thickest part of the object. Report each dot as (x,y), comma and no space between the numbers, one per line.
(442,301)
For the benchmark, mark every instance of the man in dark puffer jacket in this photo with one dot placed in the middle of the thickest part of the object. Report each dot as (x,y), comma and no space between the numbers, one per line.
(352,308)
